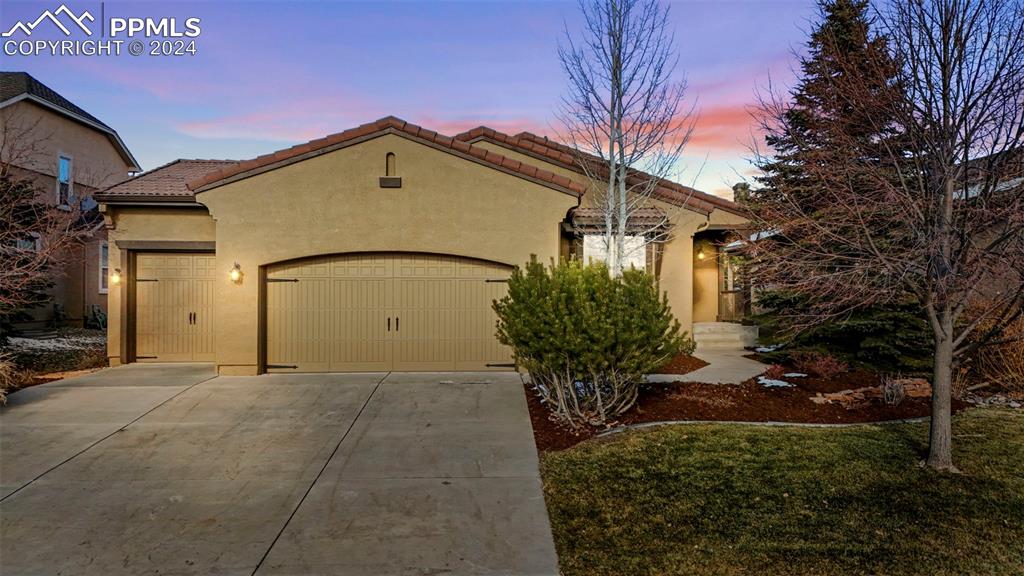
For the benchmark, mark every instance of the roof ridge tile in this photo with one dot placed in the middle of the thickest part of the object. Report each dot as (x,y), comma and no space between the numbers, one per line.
(386,123)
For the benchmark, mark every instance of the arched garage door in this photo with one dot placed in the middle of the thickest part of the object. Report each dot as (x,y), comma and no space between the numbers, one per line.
(388,311)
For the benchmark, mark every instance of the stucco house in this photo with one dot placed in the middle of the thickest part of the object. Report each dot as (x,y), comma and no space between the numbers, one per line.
(377,248)
(68,154)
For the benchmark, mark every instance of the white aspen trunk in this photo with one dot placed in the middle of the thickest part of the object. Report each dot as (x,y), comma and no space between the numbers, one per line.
(617,167)
(614,128)
(623,217)
(609,209)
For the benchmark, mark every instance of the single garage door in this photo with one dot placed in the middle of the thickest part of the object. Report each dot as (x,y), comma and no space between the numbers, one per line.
(378,312)
(174,307)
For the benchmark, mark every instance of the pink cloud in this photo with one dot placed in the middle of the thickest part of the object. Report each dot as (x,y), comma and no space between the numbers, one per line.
(724,129)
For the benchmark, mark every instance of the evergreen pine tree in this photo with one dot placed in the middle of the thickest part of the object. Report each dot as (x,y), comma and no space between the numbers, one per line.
(891,337)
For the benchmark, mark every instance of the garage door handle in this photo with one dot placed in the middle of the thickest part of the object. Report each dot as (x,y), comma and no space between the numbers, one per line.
(396,323)
(389,323)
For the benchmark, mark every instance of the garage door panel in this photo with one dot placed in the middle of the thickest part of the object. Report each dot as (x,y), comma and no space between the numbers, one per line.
(358,324)
(385,311)
(201,292)
(296,315)
(478,323)
(174,307)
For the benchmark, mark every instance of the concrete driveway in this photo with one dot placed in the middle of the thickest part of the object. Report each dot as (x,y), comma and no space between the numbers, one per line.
(166,469)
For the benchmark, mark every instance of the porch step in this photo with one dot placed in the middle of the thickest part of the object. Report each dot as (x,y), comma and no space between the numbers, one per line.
(723,335)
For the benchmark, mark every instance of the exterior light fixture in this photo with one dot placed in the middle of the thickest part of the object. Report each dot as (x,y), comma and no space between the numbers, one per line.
(701,255)
(236,274)
(115,276)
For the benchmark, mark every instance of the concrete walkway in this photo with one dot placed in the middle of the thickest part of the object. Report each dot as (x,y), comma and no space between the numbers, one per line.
(278,474)
(724,367)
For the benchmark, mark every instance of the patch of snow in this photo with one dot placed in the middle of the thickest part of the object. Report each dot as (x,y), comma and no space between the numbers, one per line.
(769,383)
(65,343)
(771,348)
(794,375)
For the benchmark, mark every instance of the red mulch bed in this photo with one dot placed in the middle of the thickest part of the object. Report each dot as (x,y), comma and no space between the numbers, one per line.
(682,364)
(748,402)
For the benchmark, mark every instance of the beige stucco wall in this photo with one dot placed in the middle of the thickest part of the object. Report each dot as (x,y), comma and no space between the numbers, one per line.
(147,223)
(43,135)
(81,280)
(692,297)
(333,204)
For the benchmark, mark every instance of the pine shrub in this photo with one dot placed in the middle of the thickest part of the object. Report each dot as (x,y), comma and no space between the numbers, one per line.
(887,338)
(585,337)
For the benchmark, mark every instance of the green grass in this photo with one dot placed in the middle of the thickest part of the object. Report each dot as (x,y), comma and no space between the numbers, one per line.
(721,499)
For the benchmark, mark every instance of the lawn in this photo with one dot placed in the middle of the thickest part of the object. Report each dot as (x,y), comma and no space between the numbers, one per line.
(723,499)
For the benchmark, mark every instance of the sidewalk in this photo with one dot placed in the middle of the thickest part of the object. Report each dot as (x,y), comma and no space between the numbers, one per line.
(724,367)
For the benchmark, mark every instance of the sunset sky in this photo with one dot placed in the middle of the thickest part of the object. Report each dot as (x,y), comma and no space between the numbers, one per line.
(271,74)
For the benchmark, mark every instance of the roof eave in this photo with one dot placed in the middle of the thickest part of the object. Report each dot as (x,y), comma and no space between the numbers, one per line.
(115,199)
(475,135)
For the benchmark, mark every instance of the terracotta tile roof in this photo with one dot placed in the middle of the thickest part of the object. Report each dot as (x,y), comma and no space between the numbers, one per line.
(642,220)
(566,156)
(393,125)
(166,183)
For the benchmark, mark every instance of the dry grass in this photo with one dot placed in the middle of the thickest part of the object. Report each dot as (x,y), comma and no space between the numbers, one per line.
(12,376)
(742,500)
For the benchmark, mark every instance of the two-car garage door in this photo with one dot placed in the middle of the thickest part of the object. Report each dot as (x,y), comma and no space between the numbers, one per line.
(391,311)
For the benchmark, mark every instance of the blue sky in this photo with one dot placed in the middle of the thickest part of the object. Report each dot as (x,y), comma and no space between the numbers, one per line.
(271,74)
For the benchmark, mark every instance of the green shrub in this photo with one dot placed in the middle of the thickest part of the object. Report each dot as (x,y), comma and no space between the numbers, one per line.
(587,338)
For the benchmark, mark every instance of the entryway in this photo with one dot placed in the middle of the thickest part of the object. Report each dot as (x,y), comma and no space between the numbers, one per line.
(384,311)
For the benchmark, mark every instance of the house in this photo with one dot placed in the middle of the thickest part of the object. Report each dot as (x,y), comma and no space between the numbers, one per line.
(377,248)
(68,154)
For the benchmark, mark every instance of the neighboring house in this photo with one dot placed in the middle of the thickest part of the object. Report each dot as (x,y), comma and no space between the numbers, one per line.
(68,154)
(378,248)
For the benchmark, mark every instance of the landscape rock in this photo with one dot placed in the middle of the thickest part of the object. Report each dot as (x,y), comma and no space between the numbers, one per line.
(860,397)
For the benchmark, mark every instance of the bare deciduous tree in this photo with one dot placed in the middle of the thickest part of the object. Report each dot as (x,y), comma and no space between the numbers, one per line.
(938,211)
(36,235)
(623,111)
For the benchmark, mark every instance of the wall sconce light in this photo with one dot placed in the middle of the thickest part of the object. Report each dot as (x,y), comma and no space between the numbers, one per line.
(236,274)
(115,277)
(701,255)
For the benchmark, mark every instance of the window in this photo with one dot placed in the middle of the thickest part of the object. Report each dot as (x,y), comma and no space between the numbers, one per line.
(28,244)
(104,267)
(64,192)
(594,249)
